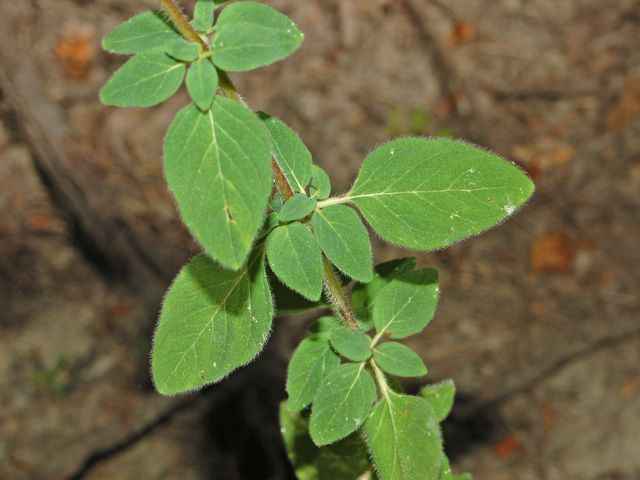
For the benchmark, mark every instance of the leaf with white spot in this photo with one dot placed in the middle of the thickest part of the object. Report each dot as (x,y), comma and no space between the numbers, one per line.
(213,320)
(429,193)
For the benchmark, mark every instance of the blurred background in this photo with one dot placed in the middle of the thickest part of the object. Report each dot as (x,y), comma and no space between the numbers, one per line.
(539,318)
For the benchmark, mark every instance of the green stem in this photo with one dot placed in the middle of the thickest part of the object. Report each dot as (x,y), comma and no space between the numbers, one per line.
(337,295)
(383,386)
(334,201)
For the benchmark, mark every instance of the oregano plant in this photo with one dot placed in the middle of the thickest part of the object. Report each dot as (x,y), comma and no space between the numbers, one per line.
(246,187)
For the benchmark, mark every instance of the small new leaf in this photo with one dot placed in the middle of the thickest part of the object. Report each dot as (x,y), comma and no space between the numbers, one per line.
(202,83)
(146,31)
(320,183)
(251,35)
(429,193)
(351,344)
(291,153)
(203,15)
(297,207)
(295,257)
(182,50)
(309,365)
(145,80)
(345,241)
(440,396)
(404,439)
(397,359)
(407,304)
(213,321)
(218,166)
(342,404)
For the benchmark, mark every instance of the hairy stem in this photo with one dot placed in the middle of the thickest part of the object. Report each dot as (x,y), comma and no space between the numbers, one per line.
(182,23)
(383,386)
(337,295)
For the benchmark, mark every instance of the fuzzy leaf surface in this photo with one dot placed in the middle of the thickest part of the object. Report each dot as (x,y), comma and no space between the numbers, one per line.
(202,83)
(345,241)
(146,31)
(346,459)
(363,295)
(342,404)
(218,166)
(352,344)
(311,362)
(182,50)
(296,259)
(398,359)
(203,13)
(251,35)
(297,207)
(404,439)
(426,194)
(292,154)
(441,396)
(145,80)
(407,304)
(213,321)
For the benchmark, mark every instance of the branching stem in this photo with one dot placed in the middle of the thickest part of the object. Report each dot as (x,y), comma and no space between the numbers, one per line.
(339,298)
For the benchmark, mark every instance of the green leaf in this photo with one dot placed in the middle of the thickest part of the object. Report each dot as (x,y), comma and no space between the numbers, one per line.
(440,396)
(344,460)
(363,295)
(218,166)
(212,321)
(202,83)
(297,207)
(447,474)
(404,439)
(397,359)
(311,362)
(144,81)
(292,154)
(429,193)
(407,304)
(295,257)
(146,31)
(250,35)
(320,183)
(342,404)
(203,15)
(351,344)
(182,50)
(345,241)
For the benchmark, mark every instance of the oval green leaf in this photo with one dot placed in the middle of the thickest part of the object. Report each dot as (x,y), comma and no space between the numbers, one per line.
(146,31)
(203,13)
(426,194)
(251,35)
(296,259)
(212,321)
(345,241)
(404,438)
(407,304)
(202,83)
(351,344)
(310,364)
(144,81)
(342,404)
(320,183)
(182,50)
(440,396)
(218,166)
(297,207)
(397,359)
